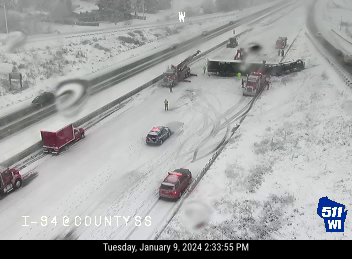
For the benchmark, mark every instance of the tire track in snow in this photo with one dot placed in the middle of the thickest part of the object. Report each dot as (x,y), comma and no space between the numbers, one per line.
(220,117)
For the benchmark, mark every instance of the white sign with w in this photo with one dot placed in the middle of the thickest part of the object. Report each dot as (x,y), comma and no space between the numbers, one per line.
(181,16)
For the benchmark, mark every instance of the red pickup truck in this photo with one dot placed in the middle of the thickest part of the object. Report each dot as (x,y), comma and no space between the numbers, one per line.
(55,141)
(10,179)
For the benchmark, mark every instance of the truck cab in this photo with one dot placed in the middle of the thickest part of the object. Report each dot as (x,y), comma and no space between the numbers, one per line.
(169,78)
(240,54)
(10,179)
(233,43)
(253,83)
(79,133)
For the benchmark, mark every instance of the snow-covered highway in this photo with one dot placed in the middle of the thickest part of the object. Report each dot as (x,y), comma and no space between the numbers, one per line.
(113,173)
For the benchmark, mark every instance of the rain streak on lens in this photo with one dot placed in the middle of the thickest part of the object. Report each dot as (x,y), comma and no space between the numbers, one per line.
(71,95)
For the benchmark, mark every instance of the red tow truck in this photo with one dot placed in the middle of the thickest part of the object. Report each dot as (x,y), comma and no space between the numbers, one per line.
(253,83)
(55,141)
(10,179)
(178,73)
(240,54)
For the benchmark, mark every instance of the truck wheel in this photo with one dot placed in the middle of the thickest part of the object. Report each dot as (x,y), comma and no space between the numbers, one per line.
(18,184)
(179,196)
(83,135)
(161,142)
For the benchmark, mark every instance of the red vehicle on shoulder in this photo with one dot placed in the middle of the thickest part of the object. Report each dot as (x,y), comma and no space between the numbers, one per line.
(10,179)
(175,184)
(55,141)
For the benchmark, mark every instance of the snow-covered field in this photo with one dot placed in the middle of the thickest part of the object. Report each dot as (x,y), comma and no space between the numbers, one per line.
(113,173)
(293,149)
(45,63)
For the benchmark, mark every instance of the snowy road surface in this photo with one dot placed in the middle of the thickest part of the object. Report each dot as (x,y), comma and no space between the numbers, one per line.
(113,174)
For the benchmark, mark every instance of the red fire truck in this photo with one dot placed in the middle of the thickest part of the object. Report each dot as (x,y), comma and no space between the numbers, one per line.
(55,141)
(10,179)
(253,83)
(178,73)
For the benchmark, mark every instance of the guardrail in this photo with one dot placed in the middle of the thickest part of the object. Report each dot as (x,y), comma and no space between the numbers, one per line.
(340,36)
(347,81)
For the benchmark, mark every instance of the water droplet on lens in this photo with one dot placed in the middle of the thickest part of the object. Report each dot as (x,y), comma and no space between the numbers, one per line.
(71,95)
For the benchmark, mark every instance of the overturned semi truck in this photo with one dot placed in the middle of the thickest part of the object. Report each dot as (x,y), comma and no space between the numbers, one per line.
(233,67)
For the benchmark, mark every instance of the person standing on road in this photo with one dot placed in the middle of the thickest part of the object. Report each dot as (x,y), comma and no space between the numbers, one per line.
(242,83)
(166,103)
(205,68)
(282,53)
(239,75)
(170,88)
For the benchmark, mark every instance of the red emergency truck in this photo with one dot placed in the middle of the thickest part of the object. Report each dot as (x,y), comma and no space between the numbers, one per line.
(10,179)
(55,141)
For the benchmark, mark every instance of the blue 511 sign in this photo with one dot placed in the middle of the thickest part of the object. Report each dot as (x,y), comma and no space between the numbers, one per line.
(333,213)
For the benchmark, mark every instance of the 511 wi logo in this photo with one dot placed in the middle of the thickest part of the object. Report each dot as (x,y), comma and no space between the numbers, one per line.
(333,213)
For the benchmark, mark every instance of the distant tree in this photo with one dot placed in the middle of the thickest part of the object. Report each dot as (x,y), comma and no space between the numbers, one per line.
(107,5)
(189,11)
(124,6)
(26,3)
(228,5)
(10,4)
(45,5)
(208,7)
(164,4)
(150,6)
(62,9)
(69,5)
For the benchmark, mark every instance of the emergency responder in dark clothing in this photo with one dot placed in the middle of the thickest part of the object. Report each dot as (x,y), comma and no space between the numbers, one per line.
(282,53)
(267,85)
(242,83)
(170,88)
(166,103)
